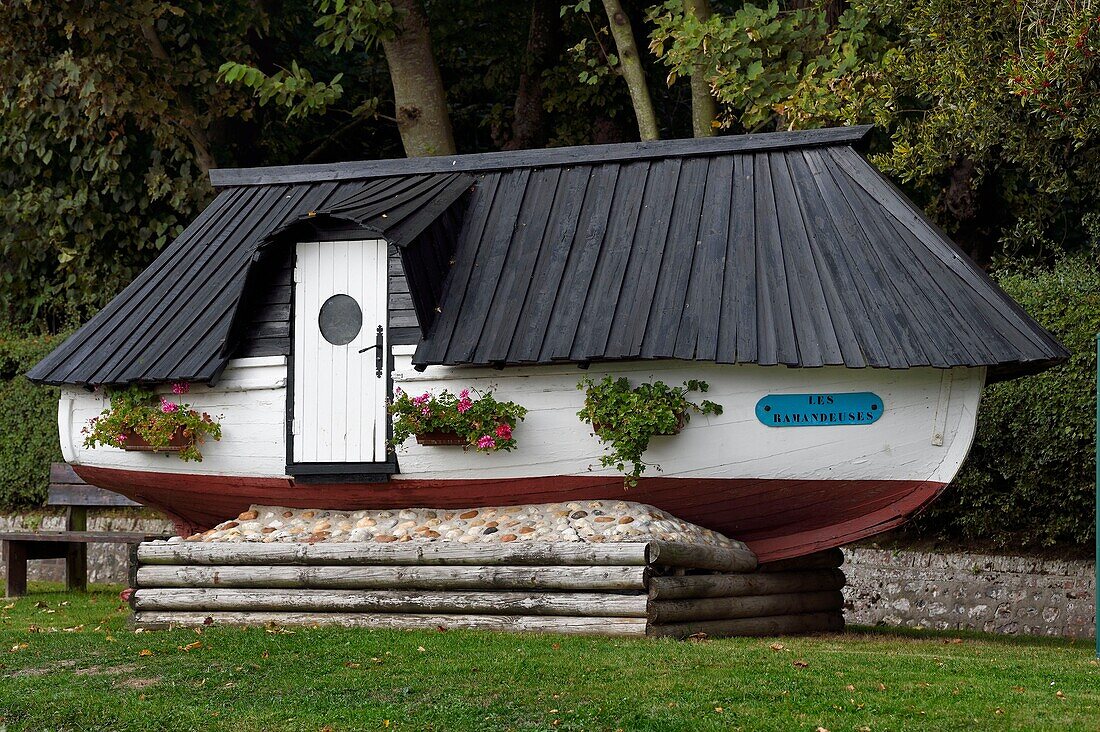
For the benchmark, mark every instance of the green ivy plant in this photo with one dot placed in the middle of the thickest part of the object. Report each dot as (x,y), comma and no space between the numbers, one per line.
(625,418)
(136,410)
(484,423)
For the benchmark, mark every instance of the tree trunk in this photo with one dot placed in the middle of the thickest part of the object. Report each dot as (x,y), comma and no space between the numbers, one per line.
(421,105)
(543,46)
(630,65)
(704,108)
(188,117)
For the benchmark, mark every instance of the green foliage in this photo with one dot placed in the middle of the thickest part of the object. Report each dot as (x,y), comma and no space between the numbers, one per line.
(137,410)
(626,418)
(483,422)
(1028,481)
(292,88)
(770,67)
(100,140)
(28,421)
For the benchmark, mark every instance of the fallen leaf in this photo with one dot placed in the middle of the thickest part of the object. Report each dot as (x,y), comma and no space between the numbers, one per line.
(375,660)
(74,629)
(192,646)
(800,664)
(40,604)
(882,687)
(19,647)
(1019,689)
(698,637)
(850,687)
(719,710)
(145,652)
(953,641)
(265,654)
(998,711)
(1060,695)
(821,729)
(422,649)
(9,606)
(777,646)
(351,664)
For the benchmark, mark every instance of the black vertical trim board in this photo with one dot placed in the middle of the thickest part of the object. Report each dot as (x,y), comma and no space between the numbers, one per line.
(818,343)
(603,296)
(576,283)
(515,278)
(658,334)
(741,289)
(847,301)
(553,255)
(481,217)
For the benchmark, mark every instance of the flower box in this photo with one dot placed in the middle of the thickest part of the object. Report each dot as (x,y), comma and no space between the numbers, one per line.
(136,443)
(436,438)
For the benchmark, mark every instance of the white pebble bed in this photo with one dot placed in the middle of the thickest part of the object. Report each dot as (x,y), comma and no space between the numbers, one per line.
(580,521)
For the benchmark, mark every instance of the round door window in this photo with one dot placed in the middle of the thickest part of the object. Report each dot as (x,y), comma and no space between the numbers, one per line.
(340,320)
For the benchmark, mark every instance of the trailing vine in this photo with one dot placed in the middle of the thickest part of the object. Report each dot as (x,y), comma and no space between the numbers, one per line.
(625,418)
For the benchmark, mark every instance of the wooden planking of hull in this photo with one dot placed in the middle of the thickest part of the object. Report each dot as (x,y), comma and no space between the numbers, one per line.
(784,491)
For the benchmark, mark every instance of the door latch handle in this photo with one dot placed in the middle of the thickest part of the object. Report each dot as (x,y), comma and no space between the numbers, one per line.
(378,355)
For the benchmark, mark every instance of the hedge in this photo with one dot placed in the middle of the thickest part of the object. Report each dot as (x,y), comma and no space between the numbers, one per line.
(28,422)
(1029,480)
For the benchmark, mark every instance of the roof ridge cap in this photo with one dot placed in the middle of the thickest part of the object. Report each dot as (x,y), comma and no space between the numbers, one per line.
(546,157)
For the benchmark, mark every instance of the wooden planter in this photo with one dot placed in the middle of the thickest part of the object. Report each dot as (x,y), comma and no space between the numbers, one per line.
(440,437)
(136,443)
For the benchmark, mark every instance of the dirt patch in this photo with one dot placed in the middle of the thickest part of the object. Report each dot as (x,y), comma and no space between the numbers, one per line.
(108,671)
(135,683)
(29,672)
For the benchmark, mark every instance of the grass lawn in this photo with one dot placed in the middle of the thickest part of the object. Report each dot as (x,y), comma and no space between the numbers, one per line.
(69,661)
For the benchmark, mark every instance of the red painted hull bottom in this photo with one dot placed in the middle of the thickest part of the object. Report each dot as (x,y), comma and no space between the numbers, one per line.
(776,518)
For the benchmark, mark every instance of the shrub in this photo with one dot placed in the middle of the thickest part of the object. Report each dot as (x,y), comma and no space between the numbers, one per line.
(28,421)
(1029,479)
(484,423)
(137,413)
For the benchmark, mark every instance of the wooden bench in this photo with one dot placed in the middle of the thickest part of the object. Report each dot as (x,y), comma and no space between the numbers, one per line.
(68,491)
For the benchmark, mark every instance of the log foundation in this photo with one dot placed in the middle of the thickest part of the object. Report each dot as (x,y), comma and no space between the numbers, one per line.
(643,589)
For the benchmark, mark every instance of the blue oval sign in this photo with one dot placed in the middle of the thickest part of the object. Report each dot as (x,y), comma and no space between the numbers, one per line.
(819,410)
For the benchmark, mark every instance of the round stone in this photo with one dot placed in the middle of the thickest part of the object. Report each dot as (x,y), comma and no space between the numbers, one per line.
(468,515)
(385,538)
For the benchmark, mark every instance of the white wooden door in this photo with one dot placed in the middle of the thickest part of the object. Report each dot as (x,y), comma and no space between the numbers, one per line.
(339,395)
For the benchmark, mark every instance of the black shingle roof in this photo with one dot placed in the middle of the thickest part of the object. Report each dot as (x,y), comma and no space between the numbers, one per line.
(174,321)
(784,248)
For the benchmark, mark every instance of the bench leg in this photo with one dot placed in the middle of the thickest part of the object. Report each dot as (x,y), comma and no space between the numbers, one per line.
(15,563)
(76,567)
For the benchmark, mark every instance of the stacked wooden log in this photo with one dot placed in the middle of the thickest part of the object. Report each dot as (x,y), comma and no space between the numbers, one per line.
(651,588)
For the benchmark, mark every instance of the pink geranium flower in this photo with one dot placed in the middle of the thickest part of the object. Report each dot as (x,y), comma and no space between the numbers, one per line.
(121,437)
(181,387)
(426,411)
(485,442)
(421,399)
(504,431)
(465,394)
(168,407)
(464,405)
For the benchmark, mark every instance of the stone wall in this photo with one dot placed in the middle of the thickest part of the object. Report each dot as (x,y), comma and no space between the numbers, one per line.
(995,594)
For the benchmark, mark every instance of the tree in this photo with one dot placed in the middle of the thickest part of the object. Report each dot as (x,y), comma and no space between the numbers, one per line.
(401,29)
(704,108)
(630,65)
(108,118)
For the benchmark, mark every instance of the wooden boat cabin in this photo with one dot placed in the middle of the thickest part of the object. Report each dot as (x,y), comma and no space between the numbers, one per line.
(780,268)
